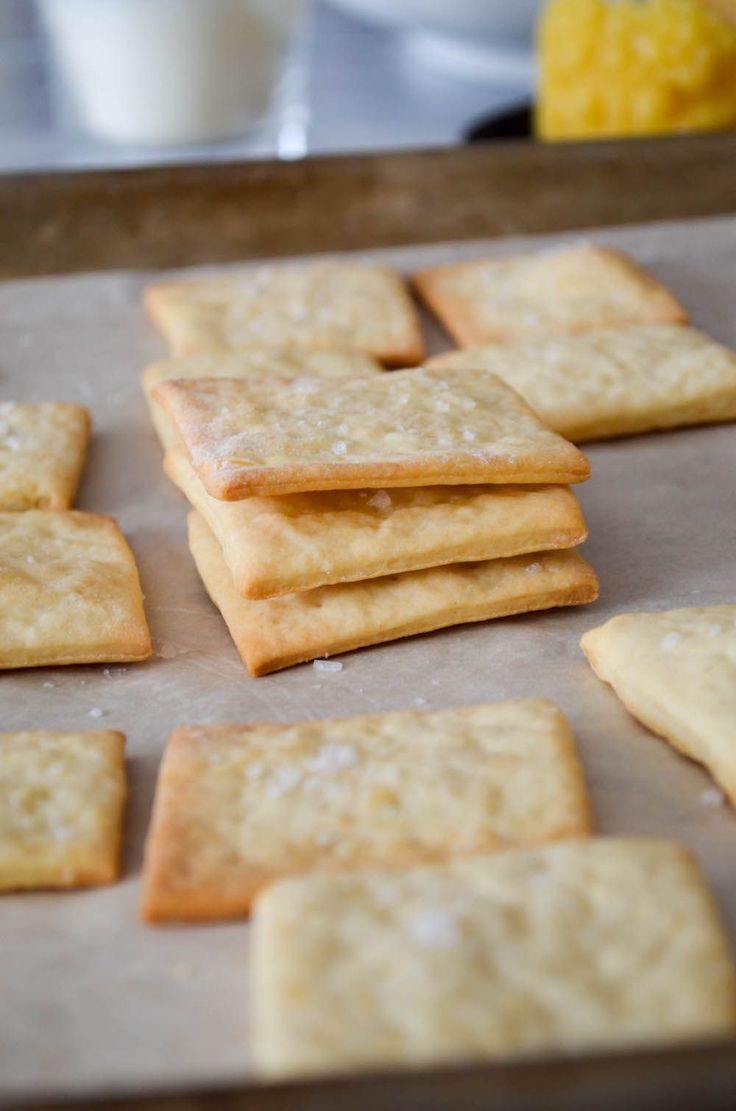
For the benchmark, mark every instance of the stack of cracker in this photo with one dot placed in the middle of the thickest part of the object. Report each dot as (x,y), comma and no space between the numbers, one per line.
(337,507)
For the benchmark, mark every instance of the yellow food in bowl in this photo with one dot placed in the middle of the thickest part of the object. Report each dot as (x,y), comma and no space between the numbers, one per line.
(635,68)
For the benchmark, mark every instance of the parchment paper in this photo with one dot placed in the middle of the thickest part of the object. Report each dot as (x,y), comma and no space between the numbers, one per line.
(90,999)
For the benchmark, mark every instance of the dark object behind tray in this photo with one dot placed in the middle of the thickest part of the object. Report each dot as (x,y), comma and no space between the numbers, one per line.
(514,123)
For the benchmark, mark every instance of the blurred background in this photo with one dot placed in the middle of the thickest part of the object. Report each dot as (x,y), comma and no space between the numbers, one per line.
(96,83)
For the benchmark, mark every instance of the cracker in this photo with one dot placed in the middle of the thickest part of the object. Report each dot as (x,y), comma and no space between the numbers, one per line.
(284,362)
(323,304)
(676,672)
(239,806)
(278,632)
(42,450)
(417,428)
(61,808)
(567,289)
(584,945)
(615,382)
(69,591)
(298,542)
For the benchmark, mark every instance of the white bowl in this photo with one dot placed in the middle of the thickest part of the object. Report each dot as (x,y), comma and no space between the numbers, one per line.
(491,19)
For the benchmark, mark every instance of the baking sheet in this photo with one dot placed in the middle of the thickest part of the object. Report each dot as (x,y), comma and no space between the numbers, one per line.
(90,999)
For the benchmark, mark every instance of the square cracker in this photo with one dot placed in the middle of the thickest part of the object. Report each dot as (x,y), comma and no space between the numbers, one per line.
(239,806)
(61,808)
(42,451)
(416,428)
(578,946)
(283,362)
(676,672)
(278,632)
(322,304)
(614,382)
(297,542)
(69,591)
(567,289)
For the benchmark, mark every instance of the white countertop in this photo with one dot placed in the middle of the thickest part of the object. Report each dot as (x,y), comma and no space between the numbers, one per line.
(370,89)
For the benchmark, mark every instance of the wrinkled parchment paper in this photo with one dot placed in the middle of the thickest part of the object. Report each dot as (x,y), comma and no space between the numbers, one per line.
(93,1001)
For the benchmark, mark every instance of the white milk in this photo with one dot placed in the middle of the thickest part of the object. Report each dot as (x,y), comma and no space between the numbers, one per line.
(171,71)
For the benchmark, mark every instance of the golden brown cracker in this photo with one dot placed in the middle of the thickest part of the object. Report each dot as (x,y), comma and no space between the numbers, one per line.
(278,632)
(414,428)
(238,806)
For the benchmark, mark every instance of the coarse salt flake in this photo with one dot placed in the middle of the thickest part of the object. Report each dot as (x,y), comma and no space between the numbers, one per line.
(282,780)
(96,712)
(380,500)
(334,757)
(671,640)
(713,796)
(340,447)
(327,665)
(436,928)
(534,568)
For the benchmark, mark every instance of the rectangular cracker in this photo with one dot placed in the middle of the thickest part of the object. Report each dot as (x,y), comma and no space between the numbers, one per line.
(563,290)
(283,362)
(297,542)
(676,672)
(415,428)
(323,304)
(42,451)
(239,806)
(62,797)
(278,632)
(69,591)
(614,382)
(584,945)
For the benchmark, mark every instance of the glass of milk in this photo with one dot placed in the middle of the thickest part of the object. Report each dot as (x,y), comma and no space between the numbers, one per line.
(173,72)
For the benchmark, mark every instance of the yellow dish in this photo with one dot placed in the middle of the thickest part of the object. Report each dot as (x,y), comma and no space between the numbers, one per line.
(633,68)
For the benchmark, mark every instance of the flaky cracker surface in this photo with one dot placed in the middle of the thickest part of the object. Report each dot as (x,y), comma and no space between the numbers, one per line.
(69,591)
(238,806)
(676,672)
(61,808)
(318,305)
(256,361)
(278,632)
(298,542)
(411,428)
(563,290)
(615,382)
(584,945)
(42,451)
